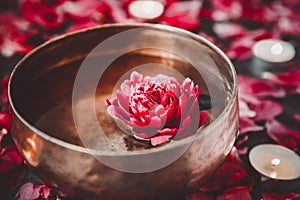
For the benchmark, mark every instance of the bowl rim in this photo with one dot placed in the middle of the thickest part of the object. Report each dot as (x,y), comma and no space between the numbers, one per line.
(160,27)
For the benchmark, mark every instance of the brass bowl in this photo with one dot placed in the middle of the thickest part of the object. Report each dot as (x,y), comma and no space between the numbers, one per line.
(41,95)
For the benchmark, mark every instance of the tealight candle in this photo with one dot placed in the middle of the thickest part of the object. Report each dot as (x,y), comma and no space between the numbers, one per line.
(275,161)
(146,9)
(272,50)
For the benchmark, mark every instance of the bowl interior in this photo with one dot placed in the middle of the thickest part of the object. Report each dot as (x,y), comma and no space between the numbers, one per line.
(42,85)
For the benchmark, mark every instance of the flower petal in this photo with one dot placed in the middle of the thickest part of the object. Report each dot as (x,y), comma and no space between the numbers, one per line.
(158,140)
(248,125)
(282,134)
(239,192)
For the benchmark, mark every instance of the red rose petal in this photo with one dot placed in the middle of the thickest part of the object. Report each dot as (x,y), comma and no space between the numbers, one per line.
(244,109)
(202,118)
(239,192)
(241,48)
(11,168)
(229,174)
(226,9)
(282,134)
(258,88)
(117,12)
(4,120)
(28,192)
(228,30)
(234,157)
(266,110)
(290,78)
(248,125)
(36,12)
(17,31)
(297,117)
(79,10)
(287,196)
(182,14)
(199,196)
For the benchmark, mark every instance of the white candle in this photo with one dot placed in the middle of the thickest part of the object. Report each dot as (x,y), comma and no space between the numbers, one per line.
(146,9)
(275,161)
(272,50)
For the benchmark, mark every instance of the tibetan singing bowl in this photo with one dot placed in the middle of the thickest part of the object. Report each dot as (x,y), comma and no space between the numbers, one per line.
(60,125)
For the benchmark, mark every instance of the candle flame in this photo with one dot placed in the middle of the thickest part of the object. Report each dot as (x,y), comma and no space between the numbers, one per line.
(275,162)
(277,49)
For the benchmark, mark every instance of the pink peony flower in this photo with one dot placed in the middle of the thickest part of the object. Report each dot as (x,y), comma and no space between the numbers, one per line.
(157,108)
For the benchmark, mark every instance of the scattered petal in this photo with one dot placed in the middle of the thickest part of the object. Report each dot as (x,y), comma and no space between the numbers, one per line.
(199,196)
(248,125)
(258,88)
(282,134)
(297,117)
(229,30)
(239,192)
(183,14)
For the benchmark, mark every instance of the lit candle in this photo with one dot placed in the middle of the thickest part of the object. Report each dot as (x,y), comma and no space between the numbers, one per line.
(272,50)
(146,9)
(275,161)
